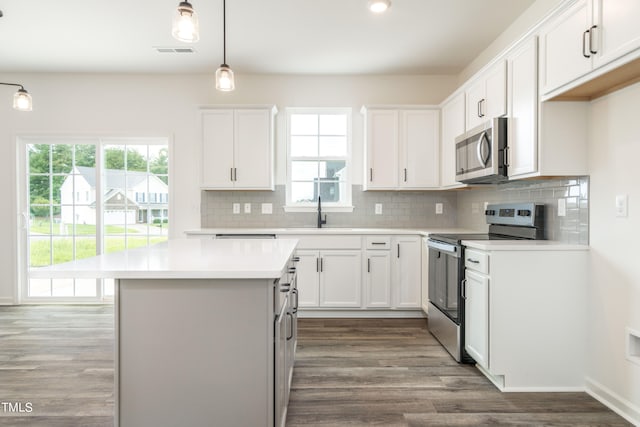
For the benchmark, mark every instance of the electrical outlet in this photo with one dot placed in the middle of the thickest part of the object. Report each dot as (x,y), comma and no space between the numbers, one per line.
(267,208)
(247,208)
(236,208)
(378,208)
(439,209)
(562,207)
(622,205)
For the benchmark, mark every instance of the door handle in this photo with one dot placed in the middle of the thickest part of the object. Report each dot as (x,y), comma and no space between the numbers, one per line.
(463,291)
(481,103)
(295,307)
(405,174)
(591,31)
(584,43)
(368,265)
(321,265)
(290,326)
(371,174)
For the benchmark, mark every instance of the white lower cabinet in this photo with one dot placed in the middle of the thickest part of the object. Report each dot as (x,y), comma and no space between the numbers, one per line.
(406,271)
(378,279)
(308,278)
(525,316)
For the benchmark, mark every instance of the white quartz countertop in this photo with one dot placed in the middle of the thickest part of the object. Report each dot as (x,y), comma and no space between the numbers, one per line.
(325,231)
(522,245)
(184,258)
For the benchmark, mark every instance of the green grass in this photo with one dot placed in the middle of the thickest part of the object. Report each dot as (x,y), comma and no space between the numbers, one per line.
(40,251)
(42,227)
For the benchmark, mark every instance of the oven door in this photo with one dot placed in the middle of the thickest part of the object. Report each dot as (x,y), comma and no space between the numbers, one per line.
(444,279)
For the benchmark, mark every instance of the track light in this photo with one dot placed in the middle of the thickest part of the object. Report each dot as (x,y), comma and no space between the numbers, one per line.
(379,6)
(22,99)
(224,74)
(185,23)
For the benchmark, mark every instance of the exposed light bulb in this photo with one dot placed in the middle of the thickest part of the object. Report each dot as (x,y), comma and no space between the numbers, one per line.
(22,100)
(224,79)
(379,6)
(185,24)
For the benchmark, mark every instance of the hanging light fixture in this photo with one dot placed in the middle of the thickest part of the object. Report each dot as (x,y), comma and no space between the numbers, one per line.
(185,23)
(224,74)
(379,6)
(22,99)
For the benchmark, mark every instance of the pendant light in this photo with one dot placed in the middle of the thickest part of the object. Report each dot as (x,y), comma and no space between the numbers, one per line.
(379,6)
(185,23)
(224,74)
(22,99)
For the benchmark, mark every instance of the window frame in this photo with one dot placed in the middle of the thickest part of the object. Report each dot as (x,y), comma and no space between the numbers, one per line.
(346,204)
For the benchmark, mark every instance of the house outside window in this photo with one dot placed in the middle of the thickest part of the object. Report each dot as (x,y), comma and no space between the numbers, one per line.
(318,158)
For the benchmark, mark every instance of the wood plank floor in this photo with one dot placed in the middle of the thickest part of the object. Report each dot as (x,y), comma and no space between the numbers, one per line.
(348,373)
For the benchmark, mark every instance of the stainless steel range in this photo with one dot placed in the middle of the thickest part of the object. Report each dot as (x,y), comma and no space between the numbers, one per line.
(446,268)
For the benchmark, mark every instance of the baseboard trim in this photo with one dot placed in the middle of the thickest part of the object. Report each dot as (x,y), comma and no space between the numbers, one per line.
(7,301)
(412,314)
(613,401)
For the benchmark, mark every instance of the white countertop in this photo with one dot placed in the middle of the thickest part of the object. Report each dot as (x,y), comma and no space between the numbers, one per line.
(522,245)
(184,258)
(326,231)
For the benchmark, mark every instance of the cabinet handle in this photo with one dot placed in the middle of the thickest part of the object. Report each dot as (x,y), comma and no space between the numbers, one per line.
(285,287)
(506,156)
(405,174)
(378,243)
(317,265)
(295,259)
(475,261)
(231,174)
(321,264)
(584,43)
(591,39)
(482,101)
(235,174)
(295,307)
(290,326)
(398,250)
(368,265)
(371,174)
(292,269)
(463,291)
(478,108)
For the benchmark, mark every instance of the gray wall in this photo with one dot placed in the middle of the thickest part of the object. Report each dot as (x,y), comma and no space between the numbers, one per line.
(400,209)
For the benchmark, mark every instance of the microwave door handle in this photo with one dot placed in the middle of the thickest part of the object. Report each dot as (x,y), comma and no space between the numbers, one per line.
(481,141)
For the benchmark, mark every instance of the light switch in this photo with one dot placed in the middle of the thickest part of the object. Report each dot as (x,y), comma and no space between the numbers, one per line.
(267,208)
(378,208)
(236,208)
(438,208)
(622,205)
(247,208)
(562,207)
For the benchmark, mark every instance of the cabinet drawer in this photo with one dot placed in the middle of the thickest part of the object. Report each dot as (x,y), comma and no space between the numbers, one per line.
(378,242)
(476,260)
(326,242)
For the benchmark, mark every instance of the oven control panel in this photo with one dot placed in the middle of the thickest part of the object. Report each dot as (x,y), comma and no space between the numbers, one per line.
(523,214)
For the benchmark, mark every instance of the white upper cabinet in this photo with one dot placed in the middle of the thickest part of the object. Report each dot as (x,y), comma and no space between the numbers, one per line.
(453,113)
(237,148)
(486,97)
(586,36)
(522,91)
(401,149)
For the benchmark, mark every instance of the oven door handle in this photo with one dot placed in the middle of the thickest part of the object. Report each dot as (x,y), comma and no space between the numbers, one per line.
(463,291)
(444,247)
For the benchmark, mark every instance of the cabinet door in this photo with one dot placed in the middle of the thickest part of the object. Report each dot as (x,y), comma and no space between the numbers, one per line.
(280,366)
(562,41)
(523,110)
(217,149)
(495,104)
(452,127)
(477,317)
(308,278)
(340,278)
(378,279)
(419,149)
(618,31)
(253,149)
(407,272)
(474,95)
(381,151)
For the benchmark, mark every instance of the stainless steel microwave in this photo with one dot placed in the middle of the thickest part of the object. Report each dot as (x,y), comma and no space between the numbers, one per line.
(481,153)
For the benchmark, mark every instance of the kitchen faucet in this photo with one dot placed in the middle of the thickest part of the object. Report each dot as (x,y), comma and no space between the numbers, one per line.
(320,220)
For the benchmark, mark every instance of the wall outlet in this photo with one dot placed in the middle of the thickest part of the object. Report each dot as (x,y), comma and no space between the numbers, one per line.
(439,209)
(267,208)
(622,205)
(247,208)
(378,208)
(236,208)
(562,207)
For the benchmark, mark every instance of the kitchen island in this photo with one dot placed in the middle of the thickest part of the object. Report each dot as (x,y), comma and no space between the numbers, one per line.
(196,339)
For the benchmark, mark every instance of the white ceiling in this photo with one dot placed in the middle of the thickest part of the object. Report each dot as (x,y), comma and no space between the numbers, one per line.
(263,36)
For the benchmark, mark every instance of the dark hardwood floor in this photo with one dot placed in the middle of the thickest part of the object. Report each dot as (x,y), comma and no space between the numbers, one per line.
(348,373)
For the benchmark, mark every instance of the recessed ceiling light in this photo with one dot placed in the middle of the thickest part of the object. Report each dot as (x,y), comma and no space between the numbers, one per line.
(379,6)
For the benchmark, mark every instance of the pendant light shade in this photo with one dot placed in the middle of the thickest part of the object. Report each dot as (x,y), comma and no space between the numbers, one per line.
(224,74)
(224,79)
(379,6)
(185,23)
(22,99)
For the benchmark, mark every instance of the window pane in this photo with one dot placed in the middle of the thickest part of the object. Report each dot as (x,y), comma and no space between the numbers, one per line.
(38,158)
(159,160)
(333,146)
(136,241)
(62,249)
(333,124)
(85,247)
(86,156)
(40,220)
(114,157)
(332,169)
(62,287)
(304,124)
(39,287)
(304,146)
(113,244)
(137,158)
(39,189)
(85,288)
(330,191)
(56,185)
(61,158)
(304,171)
(39,251)
(303,192)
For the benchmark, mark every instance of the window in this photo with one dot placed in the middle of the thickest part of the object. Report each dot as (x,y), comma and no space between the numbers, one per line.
(318,158)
